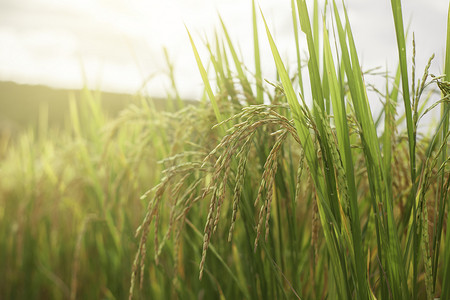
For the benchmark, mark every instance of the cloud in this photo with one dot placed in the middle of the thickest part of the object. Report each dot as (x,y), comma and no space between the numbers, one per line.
(121,42)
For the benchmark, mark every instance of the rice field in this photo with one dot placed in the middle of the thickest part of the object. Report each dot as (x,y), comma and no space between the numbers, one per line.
(291,187)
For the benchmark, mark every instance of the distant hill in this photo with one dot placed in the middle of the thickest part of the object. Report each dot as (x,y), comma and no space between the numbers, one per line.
(20,104)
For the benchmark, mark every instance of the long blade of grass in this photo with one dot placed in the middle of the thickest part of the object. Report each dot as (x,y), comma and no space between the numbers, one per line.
(401,45)
(297,46)
(258,74)
(242,78)
(218,64)
(319,107)
(340,117)
(205,79)
(314,74)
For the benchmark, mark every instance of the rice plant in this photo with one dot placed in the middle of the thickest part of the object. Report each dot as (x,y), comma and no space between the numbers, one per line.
(269,188)
(335,190)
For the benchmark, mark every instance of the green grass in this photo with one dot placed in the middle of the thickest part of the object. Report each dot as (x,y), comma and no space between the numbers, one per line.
(266,191)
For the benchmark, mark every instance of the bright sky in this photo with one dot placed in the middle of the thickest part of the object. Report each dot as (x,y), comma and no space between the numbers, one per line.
(119,43)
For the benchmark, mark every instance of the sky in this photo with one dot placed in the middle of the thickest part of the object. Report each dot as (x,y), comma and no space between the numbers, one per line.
(118,45)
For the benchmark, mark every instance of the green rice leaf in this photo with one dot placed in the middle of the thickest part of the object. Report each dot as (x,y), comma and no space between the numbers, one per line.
(258,74)
(205,79)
